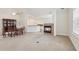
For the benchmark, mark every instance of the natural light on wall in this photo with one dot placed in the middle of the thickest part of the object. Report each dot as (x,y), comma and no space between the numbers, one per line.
(76,20)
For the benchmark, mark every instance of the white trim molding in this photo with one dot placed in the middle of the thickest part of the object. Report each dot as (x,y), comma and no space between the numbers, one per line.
(75,40)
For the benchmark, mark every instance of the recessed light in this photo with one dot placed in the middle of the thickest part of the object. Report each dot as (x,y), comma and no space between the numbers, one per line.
(13,13)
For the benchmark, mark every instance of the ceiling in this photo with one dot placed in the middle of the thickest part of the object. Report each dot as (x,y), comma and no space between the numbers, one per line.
(29,11)
(39,11)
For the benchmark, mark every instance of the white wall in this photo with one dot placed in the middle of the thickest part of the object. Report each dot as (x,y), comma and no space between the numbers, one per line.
(70,14)
(62,22)
(73,36)
(49,18)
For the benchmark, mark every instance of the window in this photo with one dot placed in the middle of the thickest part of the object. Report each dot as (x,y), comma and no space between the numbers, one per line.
(76,20)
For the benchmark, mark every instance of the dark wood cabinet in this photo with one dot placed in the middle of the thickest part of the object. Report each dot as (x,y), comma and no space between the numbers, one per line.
(9,27)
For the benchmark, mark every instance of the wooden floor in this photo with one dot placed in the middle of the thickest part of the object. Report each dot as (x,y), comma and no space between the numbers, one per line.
(36,42)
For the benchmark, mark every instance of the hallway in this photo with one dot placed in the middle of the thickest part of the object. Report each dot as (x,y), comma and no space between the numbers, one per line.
(36,42)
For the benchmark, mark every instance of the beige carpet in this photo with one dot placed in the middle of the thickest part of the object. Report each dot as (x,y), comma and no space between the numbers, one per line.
(36,42)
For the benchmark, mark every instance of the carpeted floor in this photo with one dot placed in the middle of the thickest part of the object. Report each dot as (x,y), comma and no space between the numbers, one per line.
(36,42)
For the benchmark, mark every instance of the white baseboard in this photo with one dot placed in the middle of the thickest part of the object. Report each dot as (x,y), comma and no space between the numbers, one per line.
(63,34)
(75,40)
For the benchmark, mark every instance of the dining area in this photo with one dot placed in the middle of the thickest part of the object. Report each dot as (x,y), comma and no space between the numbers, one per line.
(10,28)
